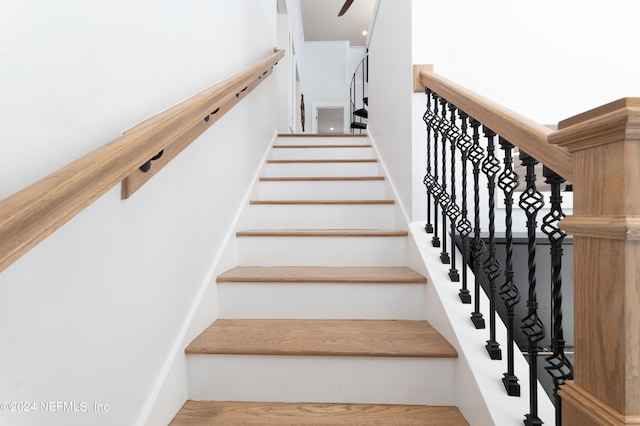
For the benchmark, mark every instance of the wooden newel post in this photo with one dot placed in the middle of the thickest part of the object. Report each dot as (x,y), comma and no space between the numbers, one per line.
(605,143)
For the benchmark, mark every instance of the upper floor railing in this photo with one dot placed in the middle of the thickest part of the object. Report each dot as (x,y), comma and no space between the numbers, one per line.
(469,138)
(29,216)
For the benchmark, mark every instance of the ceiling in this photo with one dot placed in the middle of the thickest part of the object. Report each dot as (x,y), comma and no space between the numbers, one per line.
(321,22)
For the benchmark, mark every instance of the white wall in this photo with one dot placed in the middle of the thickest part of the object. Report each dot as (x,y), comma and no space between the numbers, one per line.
(290,38)
(546,60)
(390,91)
(97,312)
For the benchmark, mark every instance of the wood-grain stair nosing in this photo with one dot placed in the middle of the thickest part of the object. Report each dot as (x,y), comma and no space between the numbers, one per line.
(328,160)
(282,413)
(334,338)
(333,202)
(321,135)
(322,233)
(319,178)
(322,274)
(321,146)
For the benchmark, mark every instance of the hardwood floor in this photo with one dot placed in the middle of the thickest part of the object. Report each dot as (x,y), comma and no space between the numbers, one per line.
(321,146)
(338,160)
(319,178)
(323,233)
(330,274)
(306,202)
(380,338)
(252,413)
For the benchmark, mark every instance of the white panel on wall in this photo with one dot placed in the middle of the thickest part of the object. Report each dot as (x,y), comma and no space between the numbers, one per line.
(390,89)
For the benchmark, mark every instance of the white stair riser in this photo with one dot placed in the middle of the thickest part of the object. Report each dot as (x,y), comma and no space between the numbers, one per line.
(321,251)
(322,169)
(320,140)
(321,216)
(321,379)
(322,301)
(322,190)
(320,153)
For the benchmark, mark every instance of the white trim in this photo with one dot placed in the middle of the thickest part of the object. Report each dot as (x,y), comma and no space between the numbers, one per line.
(176,357)
(481,395)
(389,180)
(479,392)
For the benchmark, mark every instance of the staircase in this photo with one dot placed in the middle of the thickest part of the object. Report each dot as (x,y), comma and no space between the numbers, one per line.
(361,113)
(321,322)
(357,123)
(359,100)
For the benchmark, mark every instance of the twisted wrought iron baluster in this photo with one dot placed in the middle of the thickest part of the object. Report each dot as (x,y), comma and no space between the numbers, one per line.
(559,367)
(453,211)
(464,225)
(508,182)
(428,178)
(478,247)
(436,188)
(445,199)
(531,201)
(491,167)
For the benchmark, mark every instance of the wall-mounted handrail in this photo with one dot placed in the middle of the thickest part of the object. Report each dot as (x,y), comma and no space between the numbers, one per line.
(32,214)
(531,137)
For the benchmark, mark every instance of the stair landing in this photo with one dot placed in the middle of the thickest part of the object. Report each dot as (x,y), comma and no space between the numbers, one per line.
(252,413)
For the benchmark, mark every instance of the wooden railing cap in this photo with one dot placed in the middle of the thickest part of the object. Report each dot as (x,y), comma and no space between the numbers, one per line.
(610,123)
(521,131)
(624,103)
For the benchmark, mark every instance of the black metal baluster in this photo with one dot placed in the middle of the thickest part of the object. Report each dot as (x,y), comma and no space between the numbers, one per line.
(437,190)
(428,178)
(478,247)
(453,211)
(508,182)
(490,167)
(531,201)
(464,226)
(559,367)
(444,199)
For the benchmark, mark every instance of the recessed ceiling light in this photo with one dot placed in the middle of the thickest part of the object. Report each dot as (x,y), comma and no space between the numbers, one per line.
(364,33)
(331,128)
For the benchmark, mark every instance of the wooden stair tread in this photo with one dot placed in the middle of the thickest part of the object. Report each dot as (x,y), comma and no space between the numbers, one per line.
(320,178)
(322,274)
(278,413)
(320,135)
(322,233)
(329,160)
(322,146)
(334,202)
(366,338)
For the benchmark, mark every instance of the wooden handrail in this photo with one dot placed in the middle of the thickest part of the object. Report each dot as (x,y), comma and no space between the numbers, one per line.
(531,137)
(32,214)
